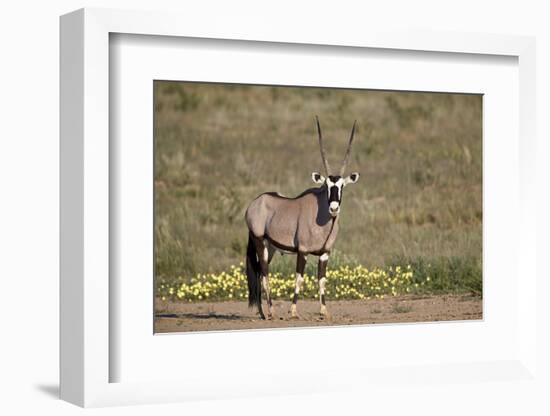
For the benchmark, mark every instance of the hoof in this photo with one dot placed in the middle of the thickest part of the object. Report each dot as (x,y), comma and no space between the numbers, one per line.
(294,312)
(324,315)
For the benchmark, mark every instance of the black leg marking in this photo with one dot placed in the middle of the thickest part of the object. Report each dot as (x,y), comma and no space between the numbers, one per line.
(300,267)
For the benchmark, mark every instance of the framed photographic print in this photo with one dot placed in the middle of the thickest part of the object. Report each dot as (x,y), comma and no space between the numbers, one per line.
(226,198)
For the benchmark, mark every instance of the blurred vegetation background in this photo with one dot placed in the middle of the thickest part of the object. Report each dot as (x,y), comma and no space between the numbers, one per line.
(418,201)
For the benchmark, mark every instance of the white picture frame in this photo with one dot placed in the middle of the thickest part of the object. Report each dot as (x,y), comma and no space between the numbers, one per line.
(86,356)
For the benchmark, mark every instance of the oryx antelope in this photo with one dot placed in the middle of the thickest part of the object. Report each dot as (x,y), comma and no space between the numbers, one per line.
(306,224)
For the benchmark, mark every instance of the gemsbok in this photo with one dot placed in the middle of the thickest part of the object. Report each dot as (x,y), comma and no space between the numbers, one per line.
(306,224)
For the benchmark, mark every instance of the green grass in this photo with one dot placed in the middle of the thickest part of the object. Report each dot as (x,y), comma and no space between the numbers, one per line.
(447,274)
(418,201)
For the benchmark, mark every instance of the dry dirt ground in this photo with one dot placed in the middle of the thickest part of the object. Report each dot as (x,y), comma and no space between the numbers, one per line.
(214,316)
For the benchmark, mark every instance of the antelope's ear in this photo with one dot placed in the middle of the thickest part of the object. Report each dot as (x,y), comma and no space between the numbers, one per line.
(354,177)
(318,178)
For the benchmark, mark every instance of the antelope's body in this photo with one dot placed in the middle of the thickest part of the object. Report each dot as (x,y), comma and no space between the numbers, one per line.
(296,225)
(307,224)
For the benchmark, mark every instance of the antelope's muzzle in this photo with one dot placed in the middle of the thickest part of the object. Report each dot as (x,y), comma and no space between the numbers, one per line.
(334,208)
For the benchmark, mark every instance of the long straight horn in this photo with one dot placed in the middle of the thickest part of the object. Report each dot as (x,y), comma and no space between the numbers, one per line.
(348,151)
(323,155)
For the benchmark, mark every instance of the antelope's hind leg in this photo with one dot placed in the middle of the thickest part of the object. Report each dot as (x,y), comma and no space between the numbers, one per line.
(254,261)
(300,266)
(263,251)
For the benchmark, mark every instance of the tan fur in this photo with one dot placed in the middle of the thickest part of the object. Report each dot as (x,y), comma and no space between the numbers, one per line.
(302,224)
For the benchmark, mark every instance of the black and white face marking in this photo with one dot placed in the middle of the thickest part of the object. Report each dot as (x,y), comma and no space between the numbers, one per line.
(335,186)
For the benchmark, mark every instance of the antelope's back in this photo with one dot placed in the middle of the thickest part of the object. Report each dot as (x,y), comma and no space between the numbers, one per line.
(274,215)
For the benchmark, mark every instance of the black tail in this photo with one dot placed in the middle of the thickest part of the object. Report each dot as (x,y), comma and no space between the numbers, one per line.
(253,275)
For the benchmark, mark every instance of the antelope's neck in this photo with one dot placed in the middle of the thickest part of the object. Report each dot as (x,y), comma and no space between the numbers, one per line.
(331,234)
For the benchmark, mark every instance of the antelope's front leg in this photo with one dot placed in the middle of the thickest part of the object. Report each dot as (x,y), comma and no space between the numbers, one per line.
(321,276)
(300,266)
